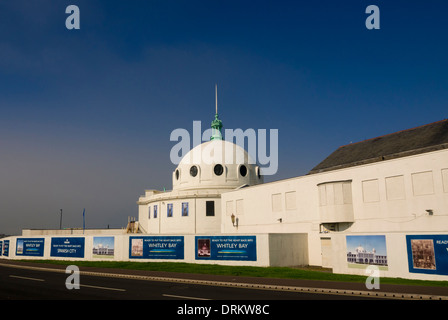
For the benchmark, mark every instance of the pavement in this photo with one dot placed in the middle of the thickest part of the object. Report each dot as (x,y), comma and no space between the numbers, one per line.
(388,291)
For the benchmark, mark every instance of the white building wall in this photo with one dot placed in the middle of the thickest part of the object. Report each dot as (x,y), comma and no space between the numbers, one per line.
(194,221)
(390,196)
(314,214)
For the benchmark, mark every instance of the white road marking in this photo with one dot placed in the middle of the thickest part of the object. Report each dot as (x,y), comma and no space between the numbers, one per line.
(104,288)
(184,297)
(26,278)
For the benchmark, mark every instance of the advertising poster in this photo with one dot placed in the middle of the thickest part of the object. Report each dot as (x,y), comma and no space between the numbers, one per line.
(67,247)
(428,254)
(366,250)
(243,248)
(103,247)
(157,247)
(6,248)
(30,247)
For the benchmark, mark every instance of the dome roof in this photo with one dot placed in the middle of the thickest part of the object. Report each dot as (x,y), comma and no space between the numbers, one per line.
(217,151)
(216,164)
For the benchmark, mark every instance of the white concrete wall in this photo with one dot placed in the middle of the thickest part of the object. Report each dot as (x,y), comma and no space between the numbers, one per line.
(271,250)
(288,249)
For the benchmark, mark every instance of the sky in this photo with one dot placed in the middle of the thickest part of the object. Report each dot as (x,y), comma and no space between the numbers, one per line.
(368,243)
(86,114)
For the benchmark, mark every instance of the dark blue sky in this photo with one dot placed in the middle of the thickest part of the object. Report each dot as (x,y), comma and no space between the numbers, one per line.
(86,115)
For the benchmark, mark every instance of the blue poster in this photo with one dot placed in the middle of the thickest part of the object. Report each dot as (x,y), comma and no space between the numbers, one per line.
(6,248)
(243,248)
(157,247)
(30,247)
(428,254)
(67,247)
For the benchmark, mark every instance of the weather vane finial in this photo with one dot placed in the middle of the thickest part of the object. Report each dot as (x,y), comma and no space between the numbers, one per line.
(216,124)
(216,98)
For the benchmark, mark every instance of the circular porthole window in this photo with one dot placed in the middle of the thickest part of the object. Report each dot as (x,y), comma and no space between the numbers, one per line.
(193,171)
(218,169)
(243,170)
(177,174)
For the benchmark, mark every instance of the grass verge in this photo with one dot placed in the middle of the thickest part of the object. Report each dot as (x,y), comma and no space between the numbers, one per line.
(245,271)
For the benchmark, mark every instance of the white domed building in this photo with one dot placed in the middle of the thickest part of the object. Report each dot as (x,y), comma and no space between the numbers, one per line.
(193,206)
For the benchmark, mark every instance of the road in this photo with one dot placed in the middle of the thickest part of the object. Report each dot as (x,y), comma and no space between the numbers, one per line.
(119,295)
(176,299)
(21,284)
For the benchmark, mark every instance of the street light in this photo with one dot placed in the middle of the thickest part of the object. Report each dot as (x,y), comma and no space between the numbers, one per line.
(60,221)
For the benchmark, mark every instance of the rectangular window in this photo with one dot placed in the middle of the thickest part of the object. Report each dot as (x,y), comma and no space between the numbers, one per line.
(422,183)
(290,200)
(445,179)
(210,208)
(395,188)
(322,195)
(155,211)
(277,202)
(169,210)
(184,209)
(347,192)
(370,190)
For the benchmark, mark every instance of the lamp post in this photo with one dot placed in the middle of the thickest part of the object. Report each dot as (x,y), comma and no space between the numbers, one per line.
(60,221)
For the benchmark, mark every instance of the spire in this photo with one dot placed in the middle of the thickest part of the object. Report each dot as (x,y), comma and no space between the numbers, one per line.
(216,124)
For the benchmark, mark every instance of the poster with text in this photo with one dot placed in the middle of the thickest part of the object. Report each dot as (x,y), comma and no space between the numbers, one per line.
(157,247)
(67,247)
(30,247)
(427,254)
(243,248)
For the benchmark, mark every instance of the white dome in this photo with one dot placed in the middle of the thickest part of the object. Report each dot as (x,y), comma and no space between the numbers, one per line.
(217,151)
(216,164)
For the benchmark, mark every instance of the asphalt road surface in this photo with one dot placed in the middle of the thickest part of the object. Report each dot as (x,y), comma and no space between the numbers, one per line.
(30,292)
(22,284)
(120,296)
